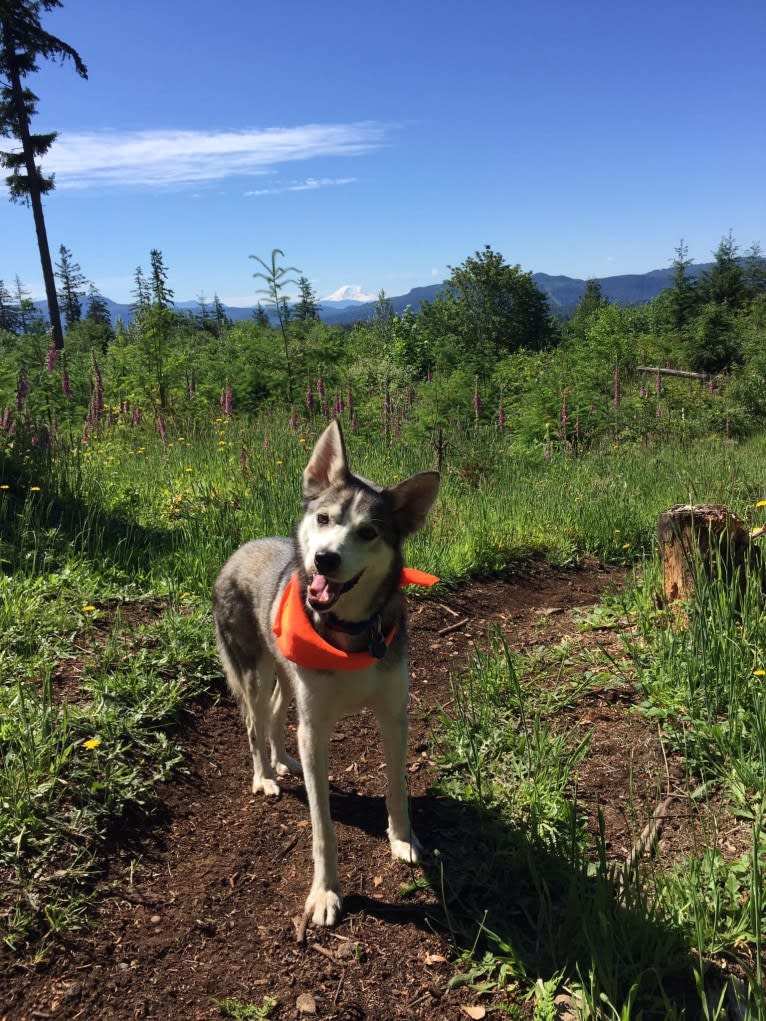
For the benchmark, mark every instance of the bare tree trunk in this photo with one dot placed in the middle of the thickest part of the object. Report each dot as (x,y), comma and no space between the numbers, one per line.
(35,198)
(702,377)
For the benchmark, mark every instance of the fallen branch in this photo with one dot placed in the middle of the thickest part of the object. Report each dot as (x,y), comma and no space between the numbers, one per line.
(648,835)
(300,927)
(453,627)
(443,606)
(703,377)
(646,840)
(324,951)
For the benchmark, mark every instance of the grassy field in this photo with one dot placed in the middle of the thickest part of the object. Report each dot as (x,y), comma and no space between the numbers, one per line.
(130,518)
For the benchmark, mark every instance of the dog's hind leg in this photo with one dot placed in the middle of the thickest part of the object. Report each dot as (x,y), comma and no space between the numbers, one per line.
(282,763)
(258,722)
(252,684)
(392,718)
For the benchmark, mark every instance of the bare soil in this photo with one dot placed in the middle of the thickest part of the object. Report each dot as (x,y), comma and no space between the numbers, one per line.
(204,905)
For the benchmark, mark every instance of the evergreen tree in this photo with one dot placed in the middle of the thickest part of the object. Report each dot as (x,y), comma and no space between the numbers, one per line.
(755,270)
(162,294)
(99,320)
(712,343)
(259,314)
(724,282)
(591,302)
(219,313)
(142,296)
(23,303)
(73,284)
(307,307)
(684,293)
(10,316)
(592,298)
(22,42)
(98,309)
(204,310)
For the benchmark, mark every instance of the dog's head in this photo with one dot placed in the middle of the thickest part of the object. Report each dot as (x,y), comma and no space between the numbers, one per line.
(352,530)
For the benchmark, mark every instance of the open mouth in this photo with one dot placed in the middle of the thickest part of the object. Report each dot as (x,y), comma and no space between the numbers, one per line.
(324,592)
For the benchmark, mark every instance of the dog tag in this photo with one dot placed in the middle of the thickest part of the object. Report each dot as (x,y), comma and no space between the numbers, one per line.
(377,641)
(378,647)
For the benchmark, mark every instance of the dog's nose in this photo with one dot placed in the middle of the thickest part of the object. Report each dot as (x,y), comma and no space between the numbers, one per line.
(326,561)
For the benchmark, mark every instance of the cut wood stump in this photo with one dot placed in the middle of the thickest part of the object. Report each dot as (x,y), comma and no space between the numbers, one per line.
(693,535)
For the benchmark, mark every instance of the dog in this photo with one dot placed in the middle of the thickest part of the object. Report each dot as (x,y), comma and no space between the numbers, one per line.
(321,619)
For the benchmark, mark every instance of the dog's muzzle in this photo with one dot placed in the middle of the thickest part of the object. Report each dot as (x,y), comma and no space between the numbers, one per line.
(324,592)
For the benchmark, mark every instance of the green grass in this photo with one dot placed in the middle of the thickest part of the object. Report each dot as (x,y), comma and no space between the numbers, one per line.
(237,1010)
(73,768)
(170,513)
(555,916)
(128,517)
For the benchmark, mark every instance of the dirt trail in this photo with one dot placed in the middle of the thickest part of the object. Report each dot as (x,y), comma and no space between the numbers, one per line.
(201,907)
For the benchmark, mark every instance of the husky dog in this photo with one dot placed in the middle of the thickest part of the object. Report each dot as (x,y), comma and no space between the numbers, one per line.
(320,618)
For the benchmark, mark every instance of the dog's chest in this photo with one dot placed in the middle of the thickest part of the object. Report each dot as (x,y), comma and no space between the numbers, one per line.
(339,693)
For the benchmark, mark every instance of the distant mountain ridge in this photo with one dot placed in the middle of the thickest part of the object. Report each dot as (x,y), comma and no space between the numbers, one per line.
(563,295)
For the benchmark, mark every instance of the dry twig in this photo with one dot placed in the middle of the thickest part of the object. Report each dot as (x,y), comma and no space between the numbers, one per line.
(453,627)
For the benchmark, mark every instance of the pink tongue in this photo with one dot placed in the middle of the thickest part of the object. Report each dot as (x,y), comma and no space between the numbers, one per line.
(322,590)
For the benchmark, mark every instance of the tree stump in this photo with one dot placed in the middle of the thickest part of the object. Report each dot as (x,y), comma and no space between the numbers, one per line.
(709,535)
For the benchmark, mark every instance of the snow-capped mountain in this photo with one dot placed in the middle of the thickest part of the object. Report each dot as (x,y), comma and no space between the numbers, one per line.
(349,294)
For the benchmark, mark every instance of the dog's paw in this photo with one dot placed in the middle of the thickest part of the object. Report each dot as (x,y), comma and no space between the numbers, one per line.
(266,785)
(324,906)
(288,766)
(410,850)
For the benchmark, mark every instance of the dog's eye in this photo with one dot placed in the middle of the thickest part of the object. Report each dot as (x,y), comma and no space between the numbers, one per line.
(366,533)
(323,519)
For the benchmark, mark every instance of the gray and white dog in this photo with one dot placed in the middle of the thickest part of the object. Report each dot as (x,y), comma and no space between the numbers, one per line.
(320,618)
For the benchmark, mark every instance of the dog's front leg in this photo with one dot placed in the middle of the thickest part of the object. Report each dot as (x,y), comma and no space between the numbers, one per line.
(323,903)
(391,712)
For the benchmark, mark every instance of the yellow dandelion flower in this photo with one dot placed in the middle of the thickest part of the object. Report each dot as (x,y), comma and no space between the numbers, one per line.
(88,608)
(188,469)
(91,743)
(278,462)
(34,489)
(760,503)
(5,486)
(759,673)
(626,545)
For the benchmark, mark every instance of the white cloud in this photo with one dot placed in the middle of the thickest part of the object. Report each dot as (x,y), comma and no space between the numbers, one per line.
(160,158)
(310,184)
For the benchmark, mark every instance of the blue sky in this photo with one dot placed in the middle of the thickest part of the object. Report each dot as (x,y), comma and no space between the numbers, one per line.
(377,144)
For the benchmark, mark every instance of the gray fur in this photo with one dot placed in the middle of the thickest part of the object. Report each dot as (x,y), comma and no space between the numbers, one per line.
(357,527)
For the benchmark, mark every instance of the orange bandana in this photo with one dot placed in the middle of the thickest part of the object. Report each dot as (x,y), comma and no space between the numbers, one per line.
(299,642)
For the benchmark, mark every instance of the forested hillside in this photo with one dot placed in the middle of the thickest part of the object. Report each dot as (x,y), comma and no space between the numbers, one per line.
(486,350)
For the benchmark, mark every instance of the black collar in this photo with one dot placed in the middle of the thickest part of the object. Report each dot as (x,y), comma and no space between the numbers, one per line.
(373,627)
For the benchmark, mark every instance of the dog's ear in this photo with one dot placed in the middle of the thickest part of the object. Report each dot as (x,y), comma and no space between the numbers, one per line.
(328,464)
(412,500)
